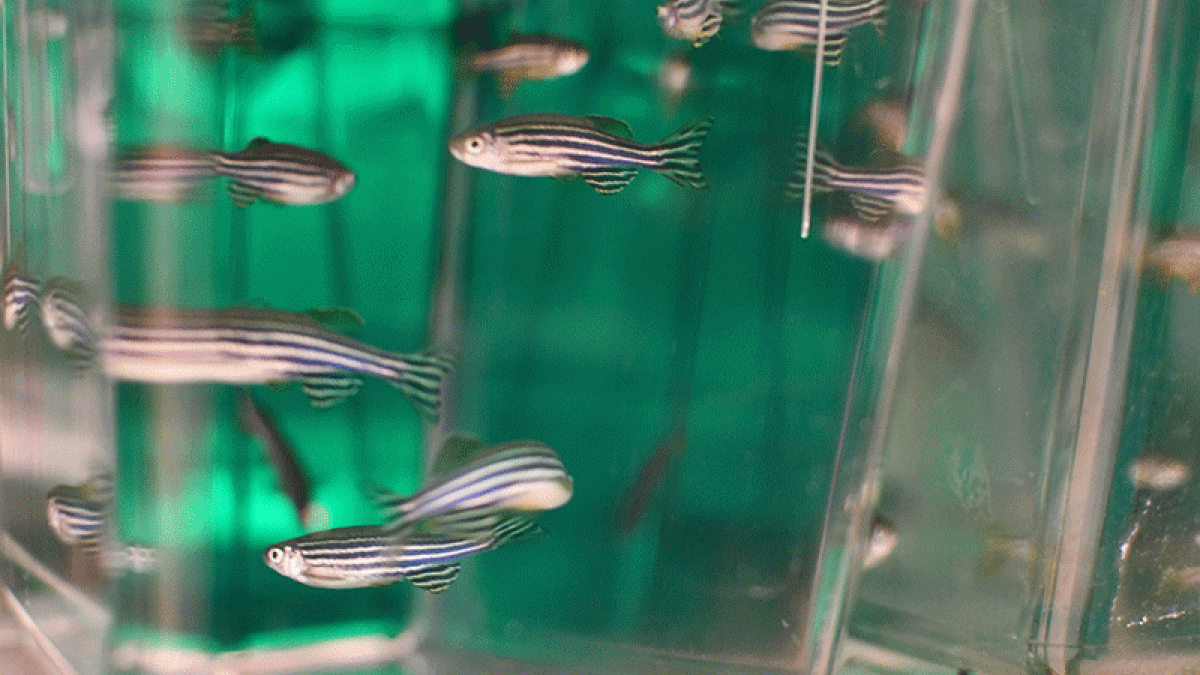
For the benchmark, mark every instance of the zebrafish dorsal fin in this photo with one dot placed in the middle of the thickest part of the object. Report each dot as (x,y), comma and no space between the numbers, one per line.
(257,142)
(434,579)
(326,390)
(242,195)
(609,180)
(336,318)
(613,126)
(457,451)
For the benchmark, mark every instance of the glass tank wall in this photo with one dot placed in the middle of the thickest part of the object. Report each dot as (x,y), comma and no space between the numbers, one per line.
(957,438)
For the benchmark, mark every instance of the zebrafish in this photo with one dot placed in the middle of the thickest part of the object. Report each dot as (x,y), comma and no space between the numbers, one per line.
(258,423)
(78,514)
(208,28)
(21,293)
(238,345)
(887,118)
(471,487)
(650,478)
(1179,257)
(674,80)
(357,557)
(694,20)
(598,149)
(530,57)
(873,190)
(871,239)
(160,173)
(282,174)
(880,543)
(786,25)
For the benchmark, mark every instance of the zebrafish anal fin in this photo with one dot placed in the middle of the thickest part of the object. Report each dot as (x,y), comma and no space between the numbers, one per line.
(613,126)
(326,390)
(336,318)
(434,579)
(457,451)
(242,195)
(610,180)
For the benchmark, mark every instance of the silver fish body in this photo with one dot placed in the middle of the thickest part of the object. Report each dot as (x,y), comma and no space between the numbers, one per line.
(282,174)
(160,173)
(238,345)
(785,25)
(1179,257)
(598,149)
(873,190)
(517,477)
(21,293)
(696,21)
(530,57)
(870,239)
(78,514)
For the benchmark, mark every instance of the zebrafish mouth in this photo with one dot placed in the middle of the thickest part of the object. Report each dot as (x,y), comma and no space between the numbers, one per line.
(343,183)
(667,18)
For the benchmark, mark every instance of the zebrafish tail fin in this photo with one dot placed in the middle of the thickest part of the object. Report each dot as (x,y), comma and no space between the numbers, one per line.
(421,377)
(245,31)
(825,167)
(680,154)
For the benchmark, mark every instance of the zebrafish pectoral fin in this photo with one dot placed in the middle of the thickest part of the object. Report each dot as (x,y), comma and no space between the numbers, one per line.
(612,125)
(609,180)
(434,579)
(242,195)
(326,390)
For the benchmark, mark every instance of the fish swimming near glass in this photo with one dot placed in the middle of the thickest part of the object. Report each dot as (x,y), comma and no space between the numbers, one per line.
(357,557)
(472,488)
(873,190)
(870,239)
(696,21)
(787,25)
(598,149)
(21,293)
(237,345)
(1178,256)
(207,28)
(283,174)
(80,517)
(257,422)
(887,118)
(160,173)
(530,57)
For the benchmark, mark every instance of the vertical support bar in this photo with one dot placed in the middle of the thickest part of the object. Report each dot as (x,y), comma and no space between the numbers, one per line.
(813,118)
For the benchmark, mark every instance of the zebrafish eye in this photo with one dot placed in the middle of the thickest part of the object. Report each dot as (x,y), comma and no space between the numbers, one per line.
(475,145)
(275,555)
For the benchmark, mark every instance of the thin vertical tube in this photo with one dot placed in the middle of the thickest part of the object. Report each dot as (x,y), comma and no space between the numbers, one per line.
(813,118)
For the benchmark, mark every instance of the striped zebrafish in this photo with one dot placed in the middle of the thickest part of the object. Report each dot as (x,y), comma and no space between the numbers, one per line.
(530,57)
(1179,257)
(694,20)
(874,191)
(160,173)
(257,422)
(871,239)
(599,149)
(356,557)
(282,174)
(78,514)
(472,488)
(21,293)
(238,345)
(786,25)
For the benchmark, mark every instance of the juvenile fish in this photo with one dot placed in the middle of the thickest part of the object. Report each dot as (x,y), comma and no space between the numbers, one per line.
(598,149)
(871,239)
(160,173)
(873,190)
(530,57)
(694,20)
(238,345)
(786,25)
(208,28)
(357,557)
(480,488)
(282,174)
(257,422)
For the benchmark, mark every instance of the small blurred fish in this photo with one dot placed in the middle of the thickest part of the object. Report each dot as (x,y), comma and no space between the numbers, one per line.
(871,239)
(598,149)
(1156,472)
(873,190)
(695,20)
(78,514)
(208,29)
(674,80)
(649,480)
(786,25)
(887,118)
(21,293)
(881,542)
(258,423)
(282,174)
(238,345)
(357,557)
(530,57)
(160,173)
(472,487)
(1179,257)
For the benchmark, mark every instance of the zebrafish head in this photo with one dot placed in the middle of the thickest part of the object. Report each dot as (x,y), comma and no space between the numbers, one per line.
(570,58)
(287,561)
(668,18)
(479,148)
(343,180)
(543,494)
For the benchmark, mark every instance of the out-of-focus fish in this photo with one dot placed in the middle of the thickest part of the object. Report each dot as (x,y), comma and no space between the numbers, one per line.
(292,478)
(873,190)
(530,57)
(78,514)
(21,292)
(881,542)
(1156,472)
(786,25)
(160,173)
(1179,257)
(695,20)
(650,479)
(472,488)
(356,557)
(282,174)
(871,239)
(887,118)
(238,345)
(674,80)
(208,28)
(598,149)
